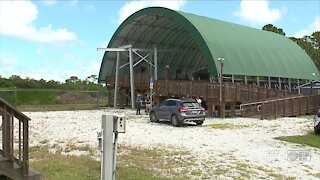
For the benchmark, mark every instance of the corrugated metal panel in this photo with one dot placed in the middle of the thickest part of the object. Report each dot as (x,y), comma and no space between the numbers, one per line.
(203,40)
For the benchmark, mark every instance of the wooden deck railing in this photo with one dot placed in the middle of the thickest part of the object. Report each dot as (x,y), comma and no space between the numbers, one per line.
(232,92)
(291,106)
(10,117)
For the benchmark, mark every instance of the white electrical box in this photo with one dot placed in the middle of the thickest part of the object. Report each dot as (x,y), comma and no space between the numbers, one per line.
(119,124)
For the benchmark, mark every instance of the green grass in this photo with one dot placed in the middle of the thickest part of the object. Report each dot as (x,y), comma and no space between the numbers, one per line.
(54,96)
(55,166)
(310,139)
(132,163)
(35,96)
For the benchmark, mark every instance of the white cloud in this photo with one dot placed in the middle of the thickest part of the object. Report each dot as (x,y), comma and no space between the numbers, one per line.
(315,26)
(133,6)
(87,69)
(49,2)
(7,64)
(258,12)
(16,19)
(73,3)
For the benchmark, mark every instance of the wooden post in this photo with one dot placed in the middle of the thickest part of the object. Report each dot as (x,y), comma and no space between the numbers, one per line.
(307,104)
(223,105)
(276,109)
(284,108)
(233,109)
(262,111)
(210,110)
(259,95)
(299,105)
(11,136)
(292,108)
(25,148)
(248,89)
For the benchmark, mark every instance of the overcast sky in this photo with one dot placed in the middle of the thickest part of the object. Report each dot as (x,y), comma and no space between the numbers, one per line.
(54,39)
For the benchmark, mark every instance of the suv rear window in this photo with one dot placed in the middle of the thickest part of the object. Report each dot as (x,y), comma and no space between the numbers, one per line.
(190,105)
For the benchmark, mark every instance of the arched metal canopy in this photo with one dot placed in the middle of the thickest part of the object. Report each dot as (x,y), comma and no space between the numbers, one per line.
(197,42)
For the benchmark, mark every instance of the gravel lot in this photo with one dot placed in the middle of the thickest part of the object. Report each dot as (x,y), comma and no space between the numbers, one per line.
(251,142)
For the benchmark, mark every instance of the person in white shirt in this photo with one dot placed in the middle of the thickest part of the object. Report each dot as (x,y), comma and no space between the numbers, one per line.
(199,100)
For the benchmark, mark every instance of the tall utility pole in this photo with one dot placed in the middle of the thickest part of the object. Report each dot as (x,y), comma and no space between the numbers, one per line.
(221,59)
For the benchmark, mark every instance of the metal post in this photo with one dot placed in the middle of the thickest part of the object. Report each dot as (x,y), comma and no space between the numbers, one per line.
(131,78)
(245,79)
(107,149)
(232,78)
(269,82)
(258,82)
(289,84)
(151,87)
(155,56)
(116,81)
(279,83)
(221,79)
(115,155)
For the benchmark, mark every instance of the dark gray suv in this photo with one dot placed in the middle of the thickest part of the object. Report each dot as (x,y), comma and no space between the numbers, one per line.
(178,111)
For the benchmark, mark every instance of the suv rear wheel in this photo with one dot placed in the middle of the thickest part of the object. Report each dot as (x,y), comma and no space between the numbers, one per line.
(175,121)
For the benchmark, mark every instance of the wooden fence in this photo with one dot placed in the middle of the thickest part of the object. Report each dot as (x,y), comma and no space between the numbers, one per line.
(231,92)
(291,106)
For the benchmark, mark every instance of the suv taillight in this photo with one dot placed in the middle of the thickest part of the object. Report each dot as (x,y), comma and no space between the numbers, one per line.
(202,109)
(183,110)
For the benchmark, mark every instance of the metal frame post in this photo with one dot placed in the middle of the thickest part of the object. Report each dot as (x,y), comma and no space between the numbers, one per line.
(269,82)
(107,147)
(221,79)
(114,154)
(155,56)
(245,79)
(289,84)
(131,79)
(116,81)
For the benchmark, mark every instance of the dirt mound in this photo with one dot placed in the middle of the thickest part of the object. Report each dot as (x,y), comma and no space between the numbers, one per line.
(67,98)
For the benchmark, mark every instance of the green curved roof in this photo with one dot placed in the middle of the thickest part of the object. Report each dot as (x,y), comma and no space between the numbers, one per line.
(199,41)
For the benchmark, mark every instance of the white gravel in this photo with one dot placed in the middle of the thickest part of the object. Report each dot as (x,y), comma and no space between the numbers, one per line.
(253,143)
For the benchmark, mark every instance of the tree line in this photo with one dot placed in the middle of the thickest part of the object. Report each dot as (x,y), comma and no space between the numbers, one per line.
(72,83)
(311,44)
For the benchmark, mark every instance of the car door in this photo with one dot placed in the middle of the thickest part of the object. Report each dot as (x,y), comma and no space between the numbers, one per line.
(168,110)
(160,113)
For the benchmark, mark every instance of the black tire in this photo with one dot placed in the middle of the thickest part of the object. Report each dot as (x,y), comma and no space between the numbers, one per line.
(153,117)
(199,123)
(317,129)
(175,121)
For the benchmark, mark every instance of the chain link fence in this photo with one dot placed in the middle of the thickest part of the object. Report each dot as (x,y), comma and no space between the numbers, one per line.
(30,97)
(9,95)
